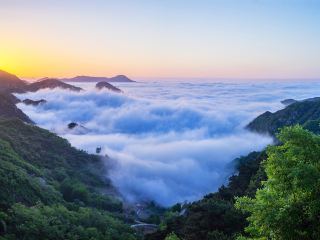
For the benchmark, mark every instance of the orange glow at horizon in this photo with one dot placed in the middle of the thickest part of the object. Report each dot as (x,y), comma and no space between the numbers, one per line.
(30,64)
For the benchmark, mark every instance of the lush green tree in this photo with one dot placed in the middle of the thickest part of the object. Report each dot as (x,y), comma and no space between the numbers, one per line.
(217,235)
(74,190)
(58,222)
(288,205)
(214,216)
(172,236)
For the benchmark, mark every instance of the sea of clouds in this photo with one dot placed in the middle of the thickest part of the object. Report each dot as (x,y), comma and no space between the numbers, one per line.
(167,141)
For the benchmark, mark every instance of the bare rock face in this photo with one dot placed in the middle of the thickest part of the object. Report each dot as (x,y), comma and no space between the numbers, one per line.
(34,102)
(106,85)
(76,128)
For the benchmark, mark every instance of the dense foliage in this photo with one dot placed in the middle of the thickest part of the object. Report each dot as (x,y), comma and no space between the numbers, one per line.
(50,190)
(8,108)
(288,205)
(215,217)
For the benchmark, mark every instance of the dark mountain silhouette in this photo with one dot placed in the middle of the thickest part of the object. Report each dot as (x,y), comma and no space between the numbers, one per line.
(10,82)
(105,85)
(118,78)
(34,102)
(72,125)
(49,83)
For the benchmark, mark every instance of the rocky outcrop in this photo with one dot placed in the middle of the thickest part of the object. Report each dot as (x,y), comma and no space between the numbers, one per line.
(33,102)
(72,125)
(76,128)
(105,85)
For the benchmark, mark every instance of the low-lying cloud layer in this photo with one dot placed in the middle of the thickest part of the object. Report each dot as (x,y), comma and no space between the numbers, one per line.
(168,142)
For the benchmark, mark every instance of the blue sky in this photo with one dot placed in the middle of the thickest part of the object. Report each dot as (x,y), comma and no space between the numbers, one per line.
(167,38)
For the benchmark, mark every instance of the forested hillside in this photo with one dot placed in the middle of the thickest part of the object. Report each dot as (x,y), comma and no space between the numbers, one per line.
(215,217)
(8,108)
(288,204)
(274,195)
(50,190)
(301,112)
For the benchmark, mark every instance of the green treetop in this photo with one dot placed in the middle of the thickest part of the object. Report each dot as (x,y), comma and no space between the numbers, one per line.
(288,205)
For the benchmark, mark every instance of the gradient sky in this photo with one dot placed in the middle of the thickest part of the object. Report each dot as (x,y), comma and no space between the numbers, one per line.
(161,38)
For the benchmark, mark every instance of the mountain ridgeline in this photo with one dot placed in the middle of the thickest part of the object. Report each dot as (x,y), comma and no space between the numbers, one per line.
(305,113)
(48,83)
(108,86)
(10,83)
(118,78)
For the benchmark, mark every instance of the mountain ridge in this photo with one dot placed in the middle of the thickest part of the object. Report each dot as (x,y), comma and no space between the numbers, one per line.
(10,82)
(117,78)
(106,85)
(49,83)
(299,112)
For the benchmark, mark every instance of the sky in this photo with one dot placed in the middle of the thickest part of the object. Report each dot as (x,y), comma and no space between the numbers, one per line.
(147,39)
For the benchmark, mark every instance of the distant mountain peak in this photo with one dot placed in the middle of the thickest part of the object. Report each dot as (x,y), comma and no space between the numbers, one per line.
(50,83)
(106,85)
(298,112)
(83,78)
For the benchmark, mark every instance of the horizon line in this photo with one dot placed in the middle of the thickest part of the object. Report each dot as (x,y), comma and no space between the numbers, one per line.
(173,78)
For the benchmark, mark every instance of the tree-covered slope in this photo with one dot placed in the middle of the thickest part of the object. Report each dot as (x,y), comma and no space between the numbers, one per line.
(295,161)
(215,217)
(297,113)
(288,204)
(8,108)
(50,190)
